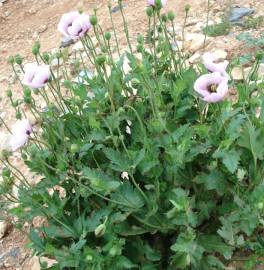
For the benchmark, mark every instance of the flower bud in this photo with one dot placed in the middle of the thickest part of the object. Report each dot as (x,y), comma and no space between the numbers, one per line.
(187,8)
(11,59)
(100,230)
(27,92)
(36,48)
(149,11)
(100,60)
(18,115)
(46,57)
(27,100)
(15,103)
(107,35)
(18,59)
(74,148)
(158,4)
(93,20)
(164,18)
(171,15)
(9,93)
(135,83)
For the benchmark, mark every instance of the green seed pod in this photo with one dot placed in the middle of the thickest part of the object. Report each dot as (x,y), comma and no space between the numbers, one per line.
(74,148)
(100,230)
(27,100)
(9,93)
(18,59)
(36,48)
(18,115)
(100,60)
(15,103)
(135,83)
(171,15)
(158,4)
(107,35)
(46,57)
(11,59)
(93,20)
(149,11)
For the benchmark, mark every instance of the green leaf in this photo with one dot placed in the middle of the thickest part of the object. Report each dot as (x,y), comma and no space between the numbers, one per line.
(214,180)
(213,243)
(229,158)
(101,181)
(128,196)
(253,141)
(119,162)
(227,231)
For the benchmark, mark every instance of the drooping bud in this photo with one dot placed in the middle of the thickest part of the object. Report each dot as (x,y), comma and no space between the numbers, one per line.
(100,230)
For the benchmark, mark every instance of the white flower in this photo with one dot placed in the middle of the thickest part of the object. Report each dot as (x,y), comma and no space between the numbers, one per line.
(124,175)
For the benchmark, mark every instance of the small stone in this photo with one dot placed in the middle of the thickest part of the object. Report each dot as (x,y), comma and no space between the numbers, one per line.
(42,28)
(78,46)
(239,12)
(237,74)
(261,70)
(4,227)
(66,42)
(219,54)
(35,35)
(7,13)
(195,58)
(198,43)
(116,8)
(32,10)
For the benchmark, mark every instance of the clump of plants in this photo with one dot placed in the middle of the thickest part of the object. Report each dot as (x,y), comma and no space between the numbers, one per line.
(146,167)
(218,29)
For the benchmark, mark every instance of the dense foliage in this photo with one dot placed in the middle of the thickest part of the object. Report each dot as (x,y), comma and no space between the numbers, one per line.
(137,171)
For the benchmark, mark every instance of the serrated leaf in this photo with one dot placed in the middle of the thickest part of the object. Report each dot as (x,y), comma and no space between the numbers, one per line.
(213,243)
(129,196)
(229,158)
(118,161)
(100,181)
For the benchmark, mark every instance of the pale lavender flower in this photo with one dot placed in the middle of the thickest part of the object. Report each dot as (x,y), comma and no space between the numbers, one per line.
(209,63)
(21,132)
(74,24)
(152,3)
(212,87)
(36,76)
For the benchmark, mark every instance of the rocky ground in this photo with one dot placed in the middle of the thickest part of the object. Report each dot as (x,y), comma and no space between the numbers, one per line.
(22,22)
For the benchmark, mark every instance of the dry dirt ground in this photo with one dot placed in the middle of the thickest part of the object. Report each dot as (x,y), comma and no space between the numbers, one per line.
(24,21)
